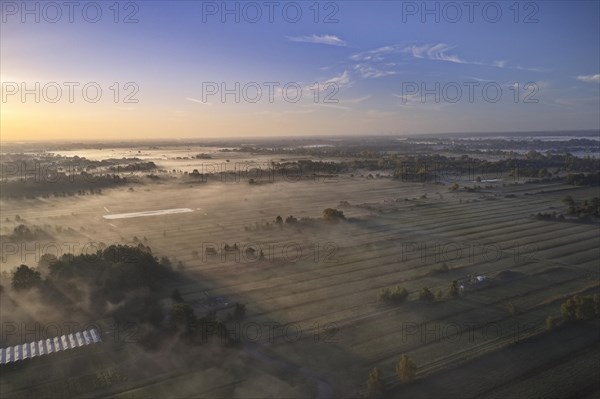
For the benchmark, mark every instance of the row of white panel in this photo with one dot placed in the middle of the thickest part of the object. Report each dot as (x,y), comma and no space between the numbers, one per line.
(48,346)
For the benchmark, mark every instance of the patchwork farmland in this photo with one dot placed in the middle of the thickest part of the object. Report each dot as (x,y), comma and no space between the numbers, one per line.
(313,318)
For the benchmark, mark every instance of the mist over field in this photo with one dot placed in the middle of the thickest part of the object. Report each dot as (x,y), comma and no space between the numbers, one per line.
(324,199)
(295,270)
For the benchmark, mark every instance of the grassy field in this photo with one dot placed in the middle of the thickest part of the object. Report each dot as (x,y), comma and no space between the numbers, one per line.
(322,282)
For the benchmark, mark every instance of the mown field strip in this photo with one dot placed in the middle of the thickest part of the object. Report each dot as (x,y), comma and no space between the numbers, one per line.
(371,270)
(478,314)
(464,352)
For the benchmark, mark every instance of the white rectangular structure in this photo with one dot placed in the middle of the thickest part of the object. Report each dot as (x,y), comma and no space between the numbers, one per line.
(57,344)
(79,338)
(72,341)
(64,342)
(86,337)
(49,345)
(25,351)
(95,336)
(41,347)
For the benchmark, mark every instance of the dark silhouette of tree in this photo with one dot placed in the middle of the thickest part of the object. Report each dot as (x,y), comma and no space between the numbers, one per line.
(45,261)
(333,215)
(114,269)
(396,295)
(25,278)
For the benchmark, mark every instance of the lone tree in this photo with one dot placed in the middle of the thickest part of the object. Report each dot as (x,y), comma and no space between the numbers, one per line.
(25,278)
(406,369)
(375,386)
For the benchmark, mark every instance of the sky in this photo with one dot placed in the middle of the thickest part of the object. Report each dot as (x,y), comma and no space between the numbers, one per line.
(194,69)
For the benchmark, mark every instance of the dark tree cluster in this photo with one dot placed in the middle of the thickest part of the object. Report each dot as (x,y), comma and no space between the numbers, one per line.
(333,215)
(584,209)
(581,308)
(396,295)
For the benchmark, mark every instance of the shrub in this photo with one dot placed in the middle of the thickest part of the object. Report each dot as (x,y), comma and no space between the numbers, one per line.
(333,215)
(426,295)
(375,386)
(396,295)
(453,290)
(580,308)
(406,368)
(512,309)
(551,322)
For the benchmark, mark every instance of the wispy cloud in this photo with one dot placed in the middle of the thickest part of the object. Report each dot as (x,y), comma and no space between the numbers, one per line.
(330,40)
(475,78)
(441,52)
(342,80)
(409,100)
(368,71)
(195,100)
(529,69)
(438,52)
(374,63)
(589,78)
(377,54)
